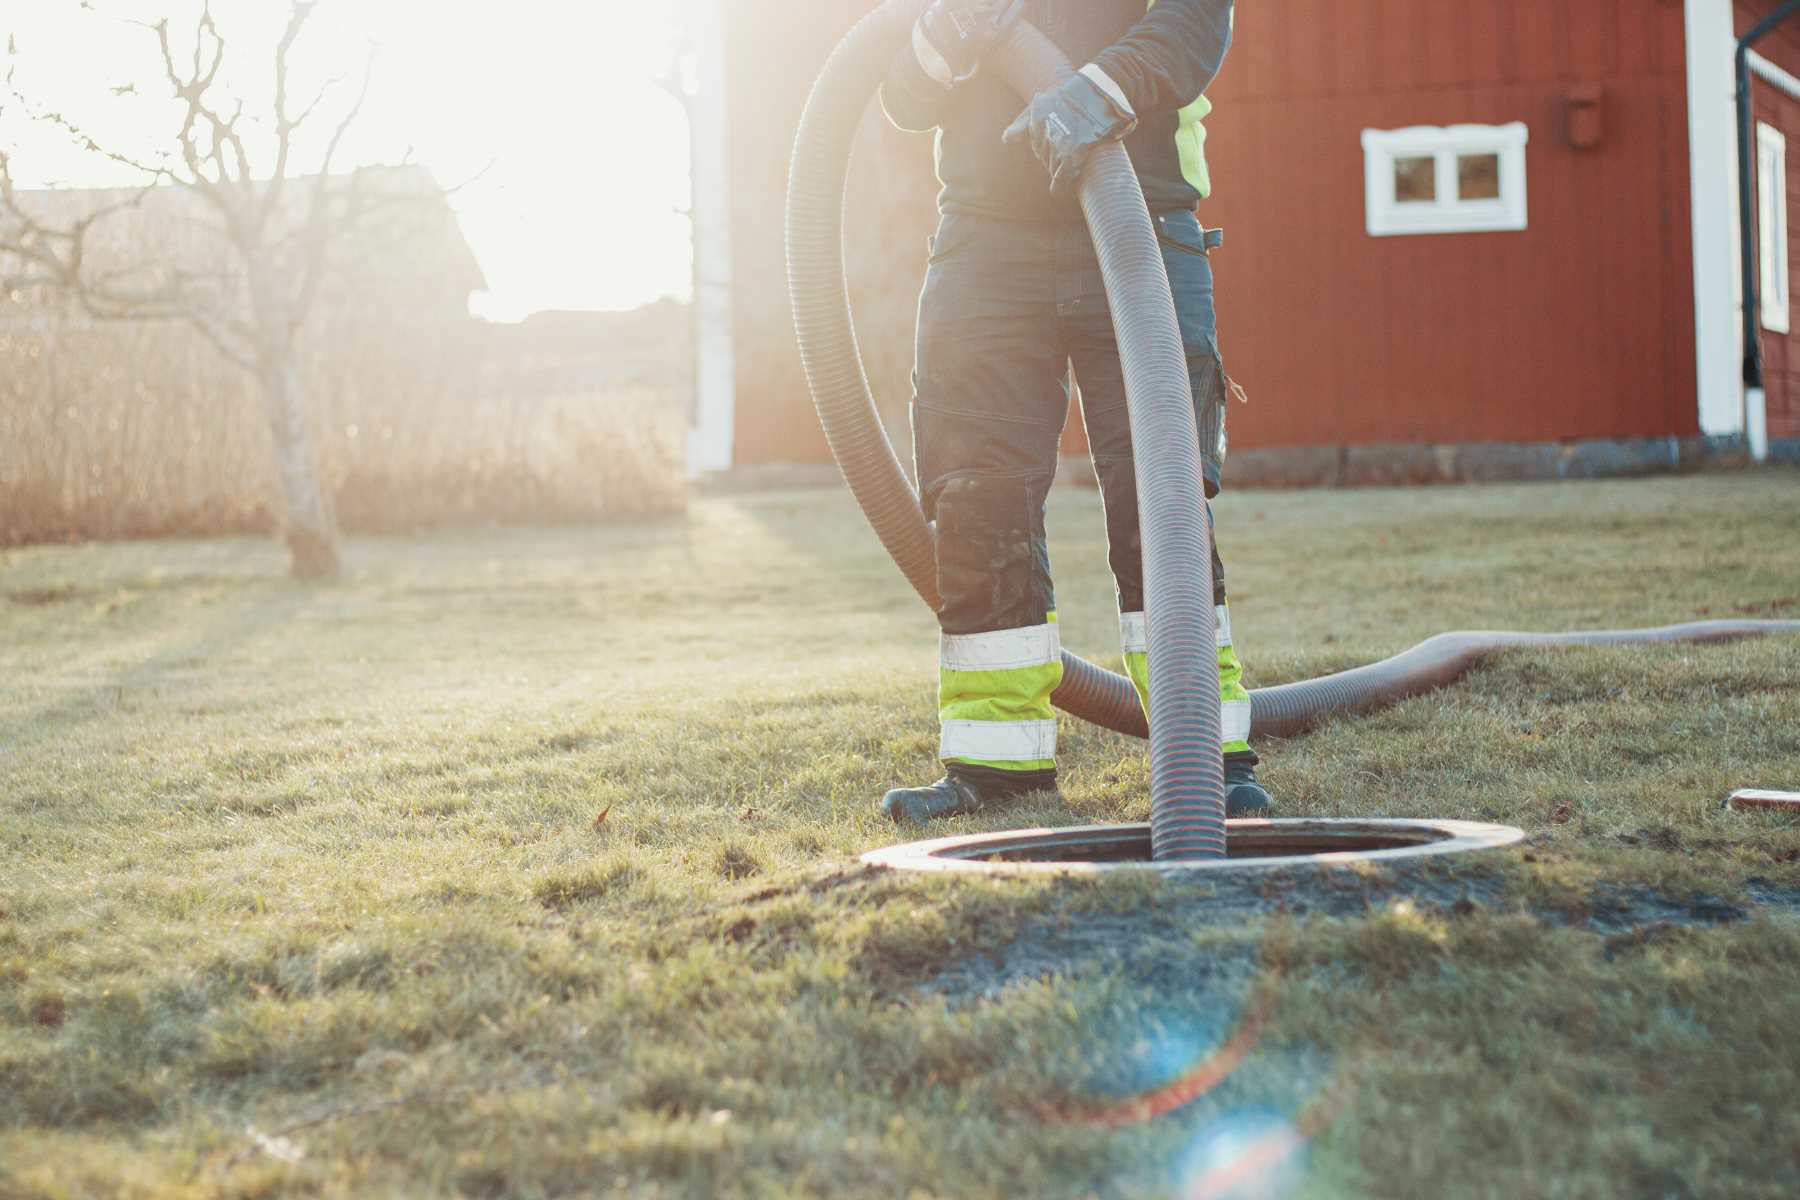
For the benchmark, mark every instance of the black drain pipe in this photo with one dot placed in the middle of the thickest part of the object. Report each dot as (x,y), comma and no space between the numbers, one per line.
(1751,233)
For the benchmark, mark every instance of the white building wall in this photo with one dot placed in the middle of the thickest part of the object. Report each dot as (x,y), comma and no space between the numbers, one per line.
(1712,142)
(715,374)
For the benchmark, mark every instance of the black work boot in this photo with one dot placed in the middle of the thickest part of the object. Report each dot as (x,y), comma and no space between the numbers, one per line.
(1244,796)
(946,798)
(957,794)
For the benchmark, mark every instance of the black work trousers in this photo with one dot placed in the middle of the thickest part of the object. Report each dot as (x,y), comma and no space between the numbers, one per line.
(1008,308)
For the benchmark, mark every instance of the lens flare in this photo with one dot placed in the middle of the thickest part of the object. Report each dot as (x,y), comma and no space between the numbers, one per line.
(1258,1155)
(1186,1086)
(1250,1156)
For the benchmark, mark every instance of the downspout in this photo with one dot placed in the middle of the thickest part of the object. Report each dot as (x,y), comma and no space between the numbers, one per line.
(1750,241)
(711,442)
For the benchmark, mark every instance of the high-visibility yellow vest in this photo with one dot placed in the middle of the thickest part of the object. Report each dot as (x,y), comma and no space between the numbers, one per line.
(1190,137)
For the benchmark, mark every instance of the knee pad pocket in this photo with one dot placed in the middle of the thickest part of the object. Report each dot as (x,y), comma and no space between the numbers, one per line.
(993,564)
(1212,391)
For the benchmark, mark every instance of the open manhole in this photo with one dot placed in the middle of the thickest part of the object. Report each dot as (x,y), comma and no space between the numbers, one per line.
(1249,845)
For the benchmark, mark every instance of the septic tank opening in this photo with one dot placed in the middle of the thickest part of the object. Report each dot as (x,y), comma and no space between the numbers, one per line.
(1249,846)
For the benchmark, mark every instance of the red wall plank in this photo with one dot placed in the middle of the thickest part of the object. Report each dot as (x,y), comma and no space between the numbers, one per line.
(1781,352)
(1581,326)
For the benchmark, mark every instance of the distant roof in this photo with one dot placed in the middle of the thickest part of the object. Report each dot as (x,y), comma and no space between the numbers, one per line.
(426,248)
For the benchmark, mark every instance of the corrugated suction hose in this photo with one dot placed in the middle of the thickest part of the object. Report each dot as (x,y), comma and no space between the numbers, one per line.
(1187,792)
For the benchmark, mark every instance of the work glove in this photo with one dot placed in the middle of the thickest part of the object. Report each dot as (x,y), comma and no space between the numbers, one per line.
(1068,122)
(953,36)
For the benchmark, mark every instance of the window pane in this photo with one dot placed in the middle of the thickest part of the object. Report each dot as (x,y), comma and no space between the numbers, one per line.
(1478,176)
(1415,180)
(1772,228)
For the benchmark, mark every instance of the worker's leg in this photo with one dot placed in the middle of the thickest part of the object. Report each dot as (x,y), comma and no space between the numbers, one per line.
(1097,369)
(988,410)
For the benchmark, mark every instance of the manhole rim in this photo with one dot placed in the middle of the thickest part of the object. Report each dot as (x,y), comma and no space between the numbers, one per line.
(953,854)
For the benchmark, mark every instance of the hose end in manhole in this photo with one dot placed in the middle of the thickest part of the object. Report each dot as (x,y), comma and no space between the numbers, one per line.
(1251,845)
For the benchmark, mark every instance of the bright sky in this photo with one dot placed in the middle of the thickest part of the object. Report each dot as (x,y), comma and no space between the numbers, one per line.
(581,206)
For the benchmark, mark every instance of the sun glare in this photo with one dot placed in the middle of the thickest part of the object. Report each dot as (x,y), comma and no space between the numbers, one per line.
(572,162)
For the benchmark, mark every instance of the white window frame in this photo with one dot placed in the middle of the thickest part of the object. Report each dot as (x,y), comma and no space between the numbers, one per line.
(1772,227)
(1449,213)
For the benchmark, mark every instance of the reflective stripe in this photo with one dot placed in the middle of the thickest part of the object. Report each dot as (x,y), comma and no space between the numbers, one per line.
(1005,650)
(1234,721)
(1134,632)
(934,64)
(1110,87)
(998,741)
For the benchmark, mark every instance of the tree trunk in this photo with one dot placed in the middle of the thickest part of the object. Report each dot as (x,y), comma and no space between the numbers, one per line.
(310,526)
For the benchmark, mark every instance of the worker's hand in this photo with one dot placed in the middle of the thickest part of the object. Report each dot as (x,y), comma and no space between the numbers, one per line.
(953,36)
(1068,122)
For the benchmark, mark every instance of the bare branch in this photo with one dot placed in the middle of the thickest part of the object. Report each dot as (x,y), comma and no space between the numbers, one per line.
(318,226)
(343,126)
(57,254)
(284,125)
(283,250)
(471,180)
(219,187)
(247,361)
(57,259)
(671,82)
(79,134)
(319,98)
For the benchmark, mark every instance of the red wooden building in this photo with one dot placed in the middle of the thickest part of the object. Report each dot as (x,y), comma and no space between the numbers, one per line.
(1479,238)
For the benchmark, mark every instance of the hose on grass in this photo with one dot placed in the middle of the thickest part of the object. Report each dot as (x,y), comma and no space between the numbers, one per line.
(1187,786)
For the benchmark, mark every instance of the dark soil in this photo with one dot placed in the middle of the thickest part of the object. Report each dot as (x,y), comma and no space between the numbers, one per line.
(1068,941)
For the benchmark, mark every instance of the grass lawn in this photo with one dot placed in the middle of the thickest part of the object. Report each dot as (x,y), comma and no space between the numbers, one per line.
(303,892)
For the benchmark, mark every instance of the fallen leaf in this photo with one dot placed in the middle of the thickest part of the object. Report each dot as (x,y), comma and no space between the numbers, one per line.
(282,1149)
(601,819)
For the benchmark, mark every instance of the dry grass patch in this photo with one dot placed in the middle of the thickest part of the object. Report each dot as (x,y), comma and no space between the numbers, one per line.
(140,431)
(326,864)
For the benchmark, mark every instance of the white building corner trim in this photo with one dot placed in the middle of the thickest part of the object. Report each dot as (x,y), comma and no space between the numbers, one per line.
(1712,151)
(710,442)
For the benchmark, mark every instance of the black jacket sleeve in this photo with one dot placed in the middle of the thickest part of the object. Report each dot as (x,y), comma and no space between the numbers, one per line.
(913,100)
(1169,58)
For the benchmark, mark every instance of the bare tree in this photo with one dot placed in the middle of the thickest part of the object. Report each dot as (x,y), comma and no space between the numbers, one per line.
(275,227)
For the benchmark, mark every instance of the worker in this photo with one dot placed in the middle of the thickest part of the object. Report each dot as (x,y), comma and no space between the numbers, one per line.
(1013,297)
